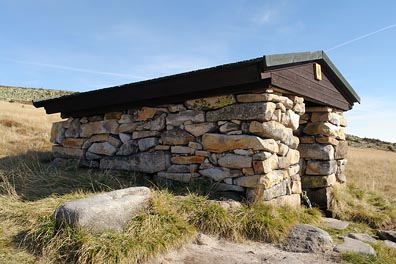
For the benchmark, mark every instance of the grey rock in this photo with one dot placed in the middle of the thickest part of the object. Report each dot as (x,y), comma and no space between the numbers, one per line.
(308,238)
(183,168)
(200,129)
(124,137)
(216,173)
(387,235)
(235,161)
(222,187)
(334,223)
(355,246)
(145,134)
(321,167)
(92,156)
(176,136)
(362,237)
(277,190)
(389,244)
(142,162)
(74,129)
(147,143)
(156,124)
(229,126)
(107,211)
(316,151)
(180,177)
(246,111)
(103,148)
(178,119)
(128,148)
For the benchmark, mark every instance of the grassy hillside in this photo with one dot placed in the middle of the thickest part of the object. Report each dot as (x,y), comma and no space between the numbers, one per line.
(358,142)
(22,94)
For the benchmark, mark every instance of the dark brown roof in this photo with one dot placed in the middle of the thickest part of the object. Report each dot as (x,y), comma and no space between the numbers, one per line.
(230,78)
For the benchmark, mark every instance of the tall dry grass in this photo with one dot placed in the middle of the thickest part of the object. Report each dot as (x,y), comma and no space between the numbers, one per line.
(372,170)
(24,127)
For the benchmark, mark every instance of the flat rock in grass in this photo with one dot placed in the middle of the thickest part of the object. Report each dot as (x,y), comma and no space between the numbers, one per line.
(307,238)
(334,223)
(387,235)
(362,237)
(390,244)
(106,211)
(351,245)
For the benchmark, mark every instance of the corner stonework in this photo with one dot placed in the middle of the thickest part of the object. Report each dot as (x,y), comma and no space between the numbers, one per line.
(323,150)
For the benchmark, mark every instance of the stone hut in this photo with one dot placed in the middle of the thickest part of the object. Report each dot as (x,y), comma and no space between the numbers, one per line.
(267,128)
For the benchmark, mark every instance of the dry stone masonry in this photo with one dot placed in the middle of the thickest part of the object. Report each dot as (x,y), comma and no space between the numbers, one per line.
(323,150)
(243,143)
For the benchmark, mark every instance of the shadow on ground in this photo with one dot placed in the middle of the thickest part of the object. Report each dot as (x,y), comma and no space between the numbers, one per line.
(33,176)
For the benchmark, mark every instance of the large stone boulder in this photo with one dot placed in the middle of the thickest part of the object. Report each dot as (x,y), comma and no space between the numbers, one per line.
(106,211)
(351,245)
(307,238)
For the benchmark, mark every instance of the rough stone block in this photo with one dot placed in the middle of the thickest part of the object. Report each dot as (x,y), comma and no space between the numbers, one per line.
(113,115)
(128,148)
(105,138)
(223,187)
(272,130)
(176,136)
(128,127)
(182,150)
(179,118)
(266,166)
(99,127)
(74,129)
(180,177)
(341,150)
(228,127)
(103,212)
(247,111)
(183,168)
(277,190)
(321,167)
(146,113)
(323,128)
(147,143)
(187,159)
(208,103)
(67,153)
(221,143)
(235,161)
(141,162)
(296,187)
(57,133)
(216,173)
(307,140)
(316,151)
(73,142)
(327,140)
(200,129)
(145,134)
(103,148)
(176,108)
(318,181)
(125,137)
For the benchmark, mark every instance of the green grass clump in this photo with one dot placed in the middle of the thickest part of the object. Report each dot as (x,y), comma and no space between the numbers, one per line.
(354,204)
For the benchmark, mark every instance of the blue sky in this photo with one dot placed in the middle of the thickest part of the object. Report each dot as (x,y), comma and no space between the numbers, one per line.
(86,45)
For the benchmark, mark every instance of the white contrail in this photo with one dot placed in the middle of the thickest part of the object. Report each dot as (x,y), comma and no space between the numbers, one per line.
(68,68)
(361,37)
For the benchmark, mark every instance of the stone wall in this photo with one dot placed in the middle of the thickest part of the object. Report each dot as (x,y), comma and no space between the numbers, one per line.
(323,149)
(243,143)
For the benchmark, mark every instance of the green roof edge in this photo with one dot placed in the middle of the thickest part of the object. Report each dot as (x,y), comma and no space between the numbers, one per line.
(278,60)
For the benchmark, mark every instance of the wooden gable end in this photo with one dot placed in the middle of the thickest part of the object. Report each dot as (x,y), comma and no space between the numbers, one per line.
(300,79)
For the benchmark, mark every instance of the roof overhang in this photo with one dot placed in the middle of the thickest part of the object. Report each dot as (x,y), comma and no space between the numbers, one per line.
(225,79)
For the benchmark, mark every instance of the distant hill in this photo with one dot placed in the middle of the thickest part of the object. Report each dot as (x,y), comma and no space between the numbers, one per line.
(355,141)
(26,95)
